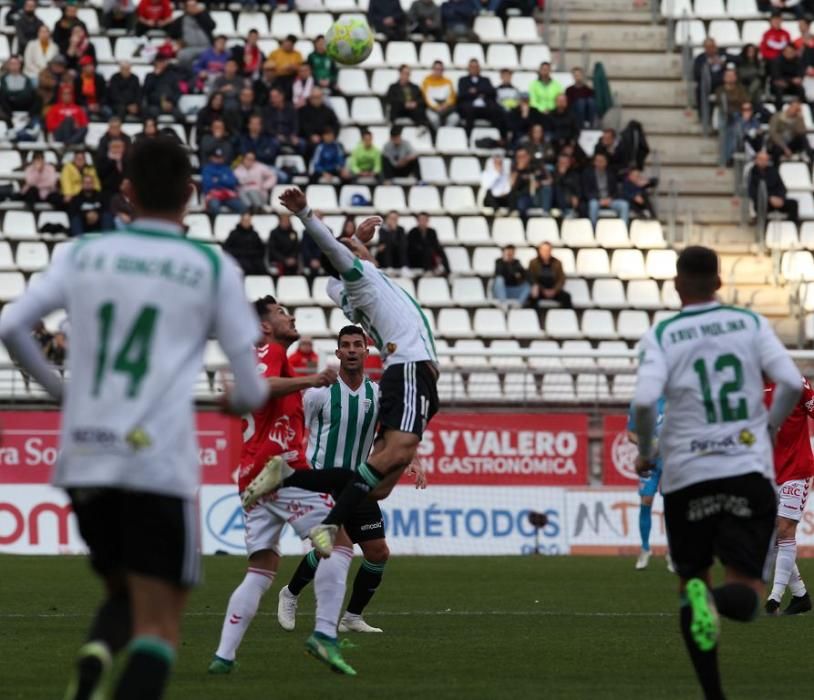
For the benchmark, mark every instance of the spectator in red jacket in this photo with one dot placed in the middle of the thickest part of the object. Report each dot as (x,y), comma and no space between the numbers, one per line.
(775,39)
(305,359)
(152,14)
(66,120)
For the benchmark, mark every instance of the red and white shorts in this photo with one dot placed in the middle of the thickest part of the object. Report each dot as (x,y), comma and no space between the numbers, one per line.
(792,497)
(298,508)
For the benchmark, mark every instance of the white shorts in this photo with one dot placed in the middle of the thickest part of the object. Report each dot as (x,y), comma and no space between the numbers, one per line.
(289,506)
(792,499)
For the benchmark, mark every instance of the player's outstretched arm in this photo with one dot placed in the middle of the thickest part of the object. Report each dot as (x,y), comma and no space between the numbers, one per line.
(282,386)
(340,257)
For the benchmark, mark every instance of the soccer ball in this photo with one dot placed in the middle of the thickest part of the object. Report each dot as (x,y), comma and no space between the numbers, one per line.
(349,41)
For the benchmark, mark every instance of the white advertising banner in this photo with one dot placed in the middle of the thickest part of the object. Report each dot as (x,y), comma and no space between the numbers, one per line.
(440,520)
(37,519)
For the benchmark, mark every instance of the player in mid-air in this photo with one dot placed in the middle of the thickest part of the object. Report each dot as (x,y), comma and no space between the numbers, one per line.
(342,421)
(708,362)
(648,487)
(144,301)
(794,467)
(408,387)
(276,433)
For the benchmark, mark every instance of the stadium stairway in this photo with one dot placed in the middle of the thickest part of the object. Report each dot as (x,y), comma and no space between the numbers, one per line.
(647,81)
(649,85)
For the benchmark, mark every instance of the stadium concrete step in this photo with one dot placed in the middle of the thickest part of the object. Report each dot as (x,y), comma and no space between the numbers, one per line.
(706,209)
(728,239)
(593,8)
(631,37)
(789,330)
(664,120)
(665,92)
(618,64)
(696,179)
(750,269)
(765,299)
(677,149)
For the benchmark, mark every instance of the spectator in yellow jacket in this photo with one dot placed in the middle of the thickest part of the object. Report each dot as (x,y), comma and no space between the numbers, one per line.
(544,90)
(439,94)
(70,178)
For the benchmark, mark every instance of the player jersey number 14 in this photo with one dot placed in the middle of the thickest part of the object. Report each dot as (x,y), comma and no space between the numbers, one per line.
(133,357)
(730,370)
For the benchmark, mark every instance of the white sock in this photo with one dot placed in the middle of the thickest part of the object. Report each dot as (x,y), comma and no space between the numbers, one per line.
(329,588)
(798,588)
(241,611)
(783,567)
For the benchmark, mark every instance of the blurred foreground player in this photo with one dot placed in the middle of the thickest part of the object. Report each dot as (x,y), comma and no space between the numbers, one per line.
(708,362)
(794,467)
(146,299)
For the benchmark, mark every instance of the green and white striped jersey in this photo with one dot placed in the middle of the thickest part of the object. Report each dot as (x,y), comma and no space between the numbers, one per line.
(341,424)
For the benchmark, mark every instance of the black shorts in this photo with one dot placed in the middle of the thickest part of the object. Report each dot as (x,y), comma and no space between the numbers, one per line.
(408,397)
(140,533)
(732,519)
(366,523)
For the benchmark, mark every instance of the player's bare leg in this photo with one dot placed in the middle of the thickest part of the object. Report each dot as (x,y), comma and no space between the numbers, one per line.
(375,553)
(375,478)
(243,605)
(786,572)
(157,607)
(109,633)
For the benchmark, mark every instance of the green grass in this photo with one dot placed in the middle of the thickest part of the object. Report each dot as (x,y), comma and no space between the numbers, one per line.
(454,628)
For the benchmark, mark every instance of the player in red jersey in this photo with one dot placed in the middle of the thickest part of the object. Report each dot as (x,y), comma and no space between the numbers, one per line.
(276,432)
(794,467)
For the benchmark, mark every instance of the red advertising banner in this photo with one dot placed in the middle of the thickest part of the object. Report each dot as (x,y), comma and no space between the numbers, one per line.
(30,438)
(458,448)
(504,449)
(618,453)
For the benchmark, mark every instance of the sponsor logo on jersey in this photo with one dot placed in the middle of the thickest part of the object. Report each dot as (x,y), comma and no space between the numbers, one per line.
(391,348)
(138,439)
(93,436)
(281,432)
(261,368)
(730,442)
(707,506)
(747,437)
(623,456)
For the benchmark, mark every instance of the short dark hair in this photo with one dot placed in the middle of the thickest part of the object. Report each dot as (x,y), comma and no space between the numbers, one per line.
(545,63)
(350,330)
(292,38)
(697,261)
(160,173)
(261,305)
(395,130)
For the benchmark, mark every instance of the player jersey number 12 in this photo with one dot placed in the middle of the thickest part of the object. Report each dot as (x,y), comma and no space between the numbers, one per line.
(728,363)
(133,358)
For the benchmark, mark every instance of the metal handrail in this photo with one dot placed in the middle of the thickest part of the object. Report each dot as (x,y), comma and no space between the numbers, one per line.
(723,128)
(585,52)
(672,211)
(703,96)
(671,23)
(563,25)
(762,213)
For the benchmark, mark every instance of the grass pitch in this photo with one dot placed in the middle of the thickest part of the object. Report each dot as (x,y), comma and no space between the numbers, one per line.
(490,627)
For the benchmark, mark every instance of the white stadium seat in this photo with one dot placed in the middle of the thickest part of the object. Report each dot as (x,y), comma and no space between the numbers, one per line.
(320,197)
(433,170)
(316,23)
(458,258)
(609,294)
(6,257)
(388,198)
(542,230)
(796,176)
(562,323)
(424,198)
(676,8)
(725,32)
(19,225)
(489,29)
(499,354)
(522,30)
(710,9)
(571,350)
(12,285)
(293,290)
(285,23)
(468,292)
(647,234)
(465,170)
(433,291)
(752,31)
(31,256)
(451,140)
(432,51)
(199,227)
(454,323)
(592,262)
(610,347)
(367,111)
(632,325)
(523,323)
(781,235)
(612,233)
(577,233)
(627,264)
(661,264)
(643,294)
(669,296)
(257,286)
(797,265)
(399,53)
(597,324)
(465,52)
(483,260)
(468,348)
(490,323)
(484,386)
(532,55)
(310,320)
(473,230)
(558,387)
(690,31)
(459,200)
(592,387)
(580,294)
(506,231)
(352,81)
(742,9)
(501,56)
(224,23)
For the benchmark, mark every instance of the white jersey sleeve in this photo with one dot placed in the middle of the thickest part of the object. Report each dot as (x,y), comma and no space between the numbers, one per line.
(47,294)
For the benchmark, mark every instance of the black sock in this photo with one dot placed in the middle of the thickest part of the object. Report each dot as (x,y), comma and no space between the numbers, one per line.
(111,626)
(365,584)
(704,662)
(304,573)
(320,480)
(737,602)
(113,623)
(364,481)
(147,670)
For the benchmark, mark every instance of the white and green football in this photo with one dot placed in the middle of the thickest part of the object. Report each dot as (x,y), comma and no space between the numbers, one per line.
(349,40)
